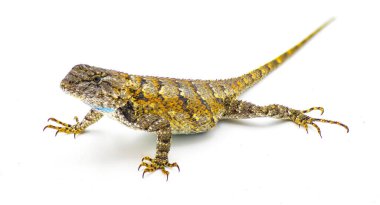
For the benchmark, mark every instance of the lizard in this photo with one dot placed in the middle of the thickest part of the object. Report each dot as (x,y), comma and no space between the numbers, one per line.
(167,106)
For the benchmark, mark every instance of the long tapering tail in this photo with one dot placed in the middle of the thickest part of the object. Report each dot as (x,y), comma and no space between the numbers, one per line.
(244,82)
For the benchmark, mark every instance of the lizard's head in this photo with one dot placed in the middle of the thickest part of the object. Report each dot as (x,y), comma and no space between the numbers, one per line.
(100,88)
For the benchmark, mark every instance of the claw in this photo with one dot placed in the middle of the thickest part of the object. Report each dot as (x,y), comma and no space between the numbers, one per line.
(142,164)
(66,128)
(304,120)
(314,108)
(144,173)
(58,122)
(156,164)
(147,170)
(166,173)
(316,127)
(306,127)
(332,122)
(175,165)
(146,158)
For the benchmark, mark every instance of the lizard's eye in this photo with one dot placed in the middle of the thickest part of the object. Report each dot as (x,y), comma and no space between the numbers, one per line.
(97,79)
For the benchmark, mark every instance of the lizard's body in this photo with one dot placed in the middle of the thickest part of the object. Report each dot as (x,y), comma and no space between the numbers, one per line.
(173,106)
(189,105)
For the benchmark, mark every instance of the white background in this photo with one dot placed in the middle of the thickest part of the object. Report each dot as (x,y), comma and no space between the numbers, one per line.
(258,161)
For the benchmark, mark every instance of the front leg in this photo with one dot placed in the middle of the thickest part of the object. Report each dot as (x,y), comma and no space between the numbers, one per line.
(161,126)
(237,109)
(91,117)
(130,116)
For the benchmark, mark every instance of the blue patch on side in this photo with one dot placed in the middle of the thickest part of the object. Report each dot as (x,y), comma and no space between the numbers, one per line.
(104,109)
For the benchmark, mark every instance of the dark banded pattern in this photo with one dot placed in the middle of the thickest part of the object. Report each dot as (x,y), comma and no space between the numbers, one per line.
(195,86)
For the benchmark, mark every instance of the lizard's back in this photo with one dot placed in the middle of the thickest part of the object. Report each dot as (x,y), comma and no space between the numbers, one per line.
(191,106)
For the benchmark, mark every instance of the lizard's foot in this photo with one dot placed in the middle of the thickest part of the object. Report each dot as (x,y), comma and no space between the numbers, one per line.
(303,120)
(66,128)
(156,164)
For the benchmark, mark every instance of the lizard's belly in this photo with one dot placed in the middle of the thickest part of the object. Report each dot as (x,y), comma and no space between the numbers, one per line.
(189,119)
(196,124)
(190,122)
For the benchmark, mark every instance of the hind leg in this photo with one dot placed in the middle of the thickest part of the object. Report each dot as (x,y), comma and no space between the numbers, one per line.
(238,109)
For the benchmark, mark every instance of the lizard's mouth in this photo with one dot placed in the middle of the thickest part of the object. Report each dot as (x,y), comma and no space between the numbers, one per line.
(65,85)
(69,83)
(67,88)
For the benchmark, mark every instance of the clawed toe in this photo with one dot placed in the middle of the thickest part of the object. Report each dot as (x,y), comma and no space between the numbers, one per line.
(147,159)
(155,165)
(314,108)
(303,120)
(174,165)
(66,128)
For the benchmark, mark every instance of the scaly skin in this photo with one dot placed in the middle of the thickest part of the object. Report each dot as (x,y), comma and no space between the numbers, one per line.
(169,106)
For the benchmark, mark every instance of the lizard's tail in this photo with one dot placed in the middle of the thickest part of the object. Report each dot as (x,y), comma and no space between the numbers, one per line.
(244,82)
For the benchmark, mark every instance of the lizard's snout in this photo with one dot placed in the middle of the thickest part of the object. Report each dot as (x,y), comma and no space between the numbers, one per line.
(67,82)
(64,83)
